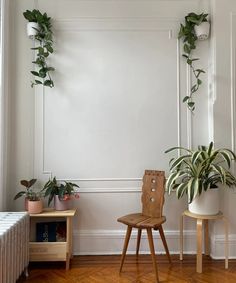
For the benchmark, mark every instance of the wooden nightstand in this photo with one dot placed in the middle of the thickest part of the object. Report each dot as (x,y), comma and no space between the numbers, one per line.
(53,251)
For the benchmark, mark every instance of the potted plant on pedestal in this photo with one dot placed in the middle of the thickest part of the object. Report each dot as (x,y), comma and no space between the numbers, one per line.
(60,192)
(198,173)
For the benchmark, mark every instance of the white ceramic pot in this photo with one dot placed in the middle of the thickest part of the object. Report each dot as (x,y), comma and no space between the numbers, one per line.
(206,204)
(202,31)
(31,29)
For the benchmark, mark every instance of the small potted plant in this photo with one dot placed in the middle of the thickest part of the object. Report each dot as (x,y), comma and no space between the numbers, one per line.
(60,192)
(198,173)
(27,184)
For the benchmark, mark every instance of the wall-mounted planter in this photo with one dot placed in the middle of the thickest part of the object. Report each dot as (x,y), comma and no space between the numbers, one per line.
(39,28)
(202,30)
(32,28)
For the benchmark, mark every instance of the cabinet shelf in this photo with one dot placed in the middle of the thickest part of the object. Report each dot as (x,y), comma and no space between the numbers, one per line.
(53,251)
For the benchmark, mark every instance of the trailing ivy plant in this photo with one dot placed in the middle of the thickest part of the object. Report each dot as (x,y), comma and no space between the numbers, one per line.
(187,34)
(44,48)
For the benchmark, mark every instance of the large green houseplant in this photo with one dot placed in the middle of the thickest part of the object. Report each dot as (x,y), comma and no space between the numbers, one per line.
(44,38)
(196,171)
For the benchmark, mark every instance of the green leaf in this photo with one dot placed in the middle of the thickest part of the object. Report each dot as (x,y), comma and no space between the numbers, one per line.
(189,61)
(193,88)
(171,180)
(178,148)
(50,69)
(32,182)
(35,73)
(210,148)
(187,49)
(191,104)
(186,98)
(38,82)
(48,83)
(195,157)
(41,51)
(193,20)
(49,49)
(181,189)
(20,194)
(200,71)
(42,73)
(179,160)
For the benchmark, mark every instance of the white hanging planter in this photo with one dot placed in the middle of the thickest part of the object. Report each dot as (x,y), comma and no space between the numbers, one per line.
(202,30)
(31,29)
(206,204)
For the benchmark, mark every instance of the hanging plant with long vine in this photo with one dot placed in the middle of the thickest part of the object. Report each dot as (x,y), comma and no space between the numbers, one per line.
(187,34)
(44,38)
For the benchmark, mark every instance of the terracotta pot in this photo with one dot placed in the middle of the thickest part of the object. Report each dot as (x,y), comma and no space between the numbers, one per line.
(35,206)
(60,204)
(26,203)
(31,29)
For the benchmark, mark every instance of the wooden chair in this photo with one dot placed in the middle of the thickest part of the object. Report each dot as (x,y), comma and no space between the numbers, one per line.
(151,217)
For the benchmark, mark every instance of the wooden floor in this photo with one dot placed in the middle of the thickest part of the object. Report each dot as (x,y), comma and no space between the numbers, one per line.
(104,269)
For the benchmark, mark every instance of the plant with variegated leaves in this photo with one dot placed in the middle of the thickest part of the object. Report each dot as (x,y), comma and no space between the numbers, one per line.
(194,172)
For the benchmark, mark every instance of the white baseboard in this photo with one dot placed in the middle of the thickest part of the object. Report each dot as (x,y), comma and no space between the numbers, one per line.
(218,246)
(94,242)
(107,242)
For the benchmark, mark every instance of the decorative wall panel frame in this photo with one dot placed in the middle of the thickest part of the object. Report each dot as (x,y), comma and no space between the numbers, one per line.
(167,25)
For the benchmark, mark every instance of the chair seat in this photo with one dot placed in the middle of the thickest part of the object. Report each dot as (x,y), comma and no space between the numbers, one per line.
(138,220)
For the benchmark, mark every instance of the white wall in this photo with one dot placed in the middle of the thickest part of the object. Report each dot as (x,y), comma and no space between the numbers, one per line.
(115,108)
(224,44)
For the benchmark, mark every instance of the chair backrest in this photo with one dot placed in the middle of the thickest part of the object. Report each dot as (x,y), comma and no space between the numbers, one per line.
(153,193)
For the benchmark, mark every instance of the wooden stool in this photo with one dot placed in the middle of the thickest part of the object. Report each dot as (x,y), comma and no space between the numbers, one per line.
(200,220)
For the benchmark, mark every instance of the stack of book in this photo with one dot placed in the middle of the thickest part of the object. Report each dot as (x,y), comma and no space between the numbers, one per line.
(51,231)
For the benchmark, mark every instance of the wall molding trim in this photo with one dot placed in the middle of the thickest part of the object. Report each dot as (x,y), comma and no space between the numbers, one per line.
(129,24)
(110,190)
(232,80)
(95,242)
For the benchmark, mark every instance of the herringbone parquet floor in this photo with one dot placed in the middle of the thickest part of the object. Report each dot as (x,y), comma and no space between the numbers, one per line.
(104,269)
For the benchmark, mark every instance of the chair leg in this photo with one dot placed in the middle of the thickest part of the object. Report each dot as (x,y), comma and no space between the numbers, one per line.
(163,238)
(127,237)
(138,241)
(152,250)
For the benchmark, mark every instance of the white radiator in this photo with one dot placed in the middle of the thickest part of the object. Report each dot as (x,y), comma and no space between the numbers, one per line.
(14,245)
